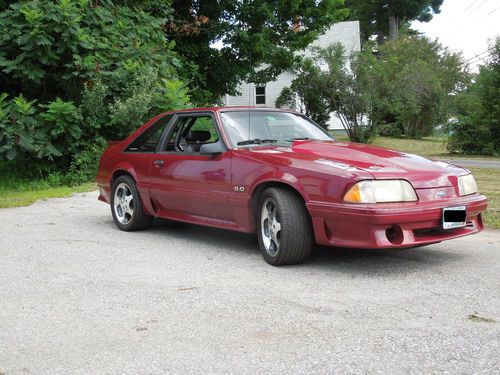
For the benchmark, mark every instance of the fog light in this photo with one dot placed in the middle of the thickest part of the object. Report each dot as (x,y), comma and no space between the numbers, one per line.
(394,234)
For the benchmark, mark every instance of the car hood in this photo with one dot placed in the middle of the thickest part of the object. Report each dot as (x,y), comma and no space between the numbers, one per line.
(380,162)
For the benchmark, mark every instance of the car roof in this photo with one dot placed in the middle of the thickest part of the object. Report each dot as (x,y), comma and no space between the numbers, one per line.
(231,109)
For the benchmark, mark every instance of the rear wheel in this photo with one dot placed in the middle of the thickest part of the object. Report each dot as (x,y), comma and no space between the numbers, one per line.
(126,206)
(284,227)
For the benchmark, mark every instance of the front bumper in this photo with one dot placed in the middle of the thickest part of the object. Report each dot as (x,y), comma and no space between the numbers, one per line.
(391,225)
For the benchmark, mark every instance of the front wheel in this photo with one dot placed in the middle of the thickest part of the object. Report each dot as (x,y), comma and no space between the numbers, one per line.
(284,227)
(126,206)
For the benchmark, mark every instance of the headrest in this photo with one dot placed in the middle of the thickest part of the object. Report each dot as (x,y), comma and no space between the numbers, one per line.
(198,136)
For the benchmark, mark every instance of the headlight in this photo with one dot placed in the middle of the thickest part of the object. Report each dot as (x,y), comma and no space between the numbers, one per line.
(380,191)
(466,185)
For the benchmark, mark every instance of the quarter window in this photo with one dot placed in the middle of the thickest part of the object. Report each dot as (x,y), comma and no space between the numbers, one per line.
(148,139)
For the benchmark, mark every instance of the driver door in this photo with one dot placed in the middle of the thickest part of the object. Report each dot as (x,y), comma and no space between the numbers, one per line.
(185,181)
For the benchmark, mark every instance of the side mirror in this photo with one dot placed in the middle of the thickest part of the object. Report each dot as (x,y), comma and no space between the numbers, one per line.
(213,148)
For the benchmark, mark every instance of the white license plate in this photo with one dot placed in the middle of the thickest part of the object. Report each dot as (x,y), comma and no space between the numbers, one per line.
(454,217)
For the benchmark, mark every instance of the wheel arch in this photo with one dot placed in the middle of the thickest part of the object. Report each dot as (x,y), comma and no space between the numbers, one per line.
(260,187)
(121,172)
(146,200)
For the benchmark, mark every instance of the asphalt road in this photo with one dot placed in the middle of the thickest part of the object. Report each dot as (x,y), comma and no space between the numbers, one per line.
(477,163)
(77,296)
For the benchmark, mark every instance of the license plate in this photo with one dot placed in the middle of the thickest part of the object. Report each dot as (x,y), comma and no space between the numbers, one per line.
(454,217)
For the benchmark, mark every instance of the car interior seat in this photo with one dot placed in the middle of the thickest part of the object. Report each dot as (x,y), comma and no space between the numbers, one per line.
(195,138)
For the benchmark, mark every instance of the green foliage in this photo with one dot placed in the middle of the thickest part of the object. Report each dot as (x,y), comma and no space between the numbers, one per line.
(477,126)
(170,94)
(84,165)
(251,33)
(19,129)
(333,82)
(404,89)
(389,130)
(384,18)
(49,49)
(286,99)
(413,79)
(315,103)
(76,73)
(128,111)
(62,122)
(27,132)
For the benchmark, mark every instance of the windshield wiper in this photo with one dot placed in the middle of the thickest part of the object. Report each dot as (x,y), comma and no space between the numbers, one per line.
(256,141)
(299,139)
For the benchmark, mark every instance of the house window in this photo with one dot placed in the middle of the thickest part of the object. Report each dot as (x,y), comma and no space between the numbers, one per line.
(260,95)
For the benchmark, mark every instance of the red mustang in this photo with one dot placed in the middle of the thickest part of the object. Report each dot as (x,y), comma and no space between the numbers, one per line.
(278,174)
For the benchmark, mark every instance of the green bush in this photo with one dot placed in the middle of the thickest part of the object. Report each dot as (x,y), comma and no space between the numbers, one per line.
(477,128)
(79,73)
(389,130)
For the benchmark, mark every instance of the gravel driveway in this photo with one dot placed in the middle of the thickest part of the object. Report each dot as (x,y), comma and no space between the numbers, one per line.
(77,296)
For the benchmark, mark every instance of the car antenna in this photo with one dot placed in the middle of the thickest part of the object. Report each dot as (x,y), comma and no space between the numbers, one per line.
(249,93)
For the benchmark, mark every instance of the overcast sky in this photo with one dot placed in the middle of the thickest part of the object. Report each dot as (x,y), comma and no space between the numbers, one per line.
(465,25)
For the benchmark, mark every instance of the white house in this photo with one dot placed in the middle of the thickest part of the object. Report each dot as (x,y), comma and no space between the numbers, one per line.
(346,33)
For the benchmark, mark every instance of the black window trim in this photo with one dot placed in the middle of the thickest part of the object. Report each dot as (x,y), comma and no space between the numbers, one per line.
(169,130)
(167,126)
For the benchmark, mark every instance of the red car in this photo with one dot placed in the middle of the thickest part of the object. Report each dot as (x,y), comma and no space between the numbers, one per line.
(277,173)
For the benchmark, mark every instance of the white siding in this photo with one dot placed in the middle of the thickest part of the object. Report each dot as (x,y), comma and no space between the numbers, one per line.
(347,33)
(273,90)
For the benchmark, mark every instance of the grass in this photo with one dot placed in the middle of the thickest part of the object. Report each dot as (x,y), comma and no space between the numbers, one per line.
(23,193)
(488,182)
(427,146)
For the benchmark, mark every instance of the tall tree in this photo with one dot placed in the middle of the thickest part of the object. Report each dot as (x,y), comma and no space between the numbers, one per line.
(225,41)
(476,129)
(334,82)
(414,77)
(384,18)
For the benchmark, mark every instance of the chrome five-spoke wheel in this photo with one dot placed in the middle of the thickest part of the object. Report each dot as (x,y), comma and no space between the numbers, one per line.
(126,205)
(270,227)
(123,203)
(284,227)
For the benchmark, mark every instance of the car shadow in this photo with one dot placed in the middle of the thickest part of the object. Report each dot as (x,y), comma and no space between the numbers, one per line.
(353,261)
(383,261)
(215,237)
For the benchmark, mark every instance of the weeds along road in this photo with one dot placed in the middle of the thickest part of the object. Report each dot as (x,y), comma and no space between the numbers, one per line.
(79,296)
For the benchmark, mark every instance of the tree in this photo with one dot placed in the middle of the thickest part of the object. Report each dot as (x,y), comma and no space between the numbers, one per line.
(249,34)
(407,86)
(333,82)
(414,78)
(384,18)
(477,126)
(51,49)
(304,93)
(74,74)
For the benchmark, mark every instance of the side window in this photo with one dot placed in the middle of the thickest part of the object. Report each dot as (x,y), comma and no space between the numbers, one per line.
(205,124)
(190,133)
(147,141)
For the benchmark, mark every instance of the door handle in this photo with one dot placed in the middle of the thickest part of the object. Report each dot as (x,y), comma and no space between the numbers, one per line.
(158,163)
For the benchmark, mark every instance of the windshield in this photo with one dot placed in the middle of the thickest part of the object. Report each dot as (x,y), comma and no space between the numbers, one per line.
(256,127)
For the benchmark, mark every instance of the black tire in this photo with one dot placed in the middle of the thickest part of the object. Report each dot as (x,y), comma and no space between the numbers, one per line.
(295,238)
(135,219)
